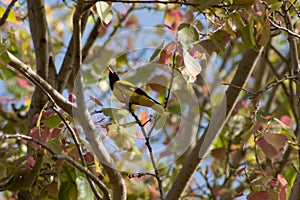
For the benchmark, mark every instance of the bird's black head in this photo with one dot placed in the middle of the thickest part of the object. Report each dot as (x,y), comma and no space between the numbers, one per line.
(113,77)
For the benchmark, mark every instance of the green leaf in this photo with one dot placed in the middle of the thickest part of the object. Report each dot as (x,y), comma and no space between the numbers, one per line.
(176,109)
(275,6)
(115,113)
(122,59)
(187,35)
(248,37)
(157,51)
(53,121)
(83,187)
(120,136)
(160,123)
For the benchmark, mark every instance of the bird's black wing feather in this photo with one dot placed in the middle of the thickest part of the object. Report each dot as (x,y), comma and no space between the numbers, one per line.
(141,92)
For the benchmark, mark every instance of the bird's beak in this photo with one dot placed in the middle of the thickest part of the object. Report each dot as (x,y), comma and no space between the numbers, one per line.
(110,69)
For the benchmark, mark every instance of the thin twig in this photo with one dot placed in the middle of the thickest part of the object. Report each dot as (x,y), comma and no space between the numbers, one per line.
(28,138)
(172,78)
(148,144)
(138,175)
(147,1)
(284,29)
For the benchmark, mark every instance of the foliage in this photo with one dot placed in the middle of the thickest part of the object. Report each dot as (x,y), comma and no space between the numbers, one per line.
(46,152)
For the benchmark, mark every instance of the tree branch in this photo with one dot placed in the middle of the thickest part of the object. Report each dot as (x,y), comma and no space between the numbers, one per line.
(39,31)
(66,68)
(243,72)
(84,117)
(148,144)
(27,72)
(6,13)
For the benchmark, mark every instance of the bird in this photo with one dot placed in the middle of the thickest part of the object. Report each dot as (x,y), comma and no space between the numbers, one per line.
(129,94)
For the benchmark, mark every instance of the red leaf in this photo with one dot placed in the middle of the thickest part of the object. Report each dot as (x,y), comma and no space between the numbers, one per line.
(41,135)
(238,172)
(89,157)
(286,120)
(173,17)
(259,195)
(30,162)
(238,195)
(72,98)
(63,145)
(281,180)
(23,83)
(144,117)
(167,52)
(34,133)
(55,132)
(272,144)
(282,193)
(96,101)
(168,27)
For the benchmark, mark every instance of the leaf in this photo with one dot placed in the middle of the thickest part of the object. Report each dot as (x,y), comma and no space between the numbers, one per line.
(266,195)
(95,100)
(115,113)
(275,6)
(97,165)
(167,52)
(192,67)
(120,136)
(187,35)
(173,17)
(122,59)
(272,145)
(83,188)
(160,123)
(103,10)
(176,109)
(38,122)
(263,34)
(286,120)
(53,121)
(281,180)
(248,37)
(23,82)
(72,98)
(157,51)
(207,45)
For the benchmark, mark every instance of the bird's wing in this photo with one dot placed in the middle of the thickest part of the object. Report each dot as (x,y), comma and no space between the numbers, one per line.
(123,90)
(143,93)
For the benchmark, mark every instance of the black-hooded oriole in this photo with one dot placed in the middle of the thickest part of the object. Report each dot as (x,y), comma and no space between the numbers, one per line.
(129,94)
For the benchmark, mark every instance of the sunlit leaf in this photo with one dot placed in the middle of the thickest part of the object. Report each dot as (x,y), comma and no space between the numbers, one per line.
(120,136)
(104,11)
(157,51)
(84,189)
(115,113)
(187,35)
(192,67)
